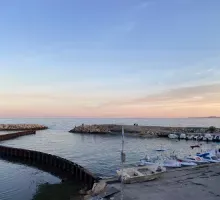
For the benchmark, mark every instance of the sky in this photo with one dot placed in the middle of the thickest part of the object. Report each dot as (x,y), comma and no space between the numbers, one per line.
(109,58)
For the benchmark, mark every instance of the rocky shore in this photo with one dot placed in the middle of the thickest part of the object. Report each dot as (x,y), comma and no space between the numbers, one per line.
(21,127)
(142,131)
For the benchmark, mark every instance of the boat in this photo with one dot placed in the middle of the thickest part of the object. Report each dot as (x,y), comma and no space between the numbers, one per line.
(160,149)
(146,161)
(195,146)
(195,159)
(182,136)
(189,137)
(173,136)
(208,137)
(186,163)
(195,137)
(140,174)
(171,164)
(216,138)
(210,156)
(200,138)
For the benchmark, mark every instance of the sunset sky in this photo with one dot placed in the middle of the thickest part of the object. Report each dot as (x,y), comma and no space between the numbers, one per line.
(109,58)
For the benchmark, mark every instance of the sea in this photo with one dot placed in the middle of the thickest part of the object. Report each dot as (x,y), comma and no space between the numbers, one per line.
(98,153)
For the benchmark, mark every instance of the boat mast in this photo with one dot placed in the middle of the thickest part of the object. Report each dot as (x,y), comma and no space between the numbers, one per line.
(122,163)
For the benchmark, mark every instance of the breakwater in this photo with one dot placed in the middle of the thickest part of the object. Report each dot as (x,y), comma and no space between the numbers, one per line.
(142,131)
(16,135)
(63,168)
(20,127)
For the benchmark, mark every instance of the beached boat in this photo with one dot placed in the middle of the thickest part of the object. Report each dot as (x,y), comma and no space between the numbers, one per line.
(140,174)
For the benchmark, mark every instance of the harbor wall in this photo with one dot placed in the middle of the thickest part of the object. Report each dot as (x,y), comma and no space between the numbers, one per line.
(55,165)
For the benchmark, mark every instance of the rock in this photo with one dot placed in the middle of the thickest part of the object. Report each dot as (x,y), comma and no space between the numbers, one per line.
(87,197)
(89,192)
(98,187)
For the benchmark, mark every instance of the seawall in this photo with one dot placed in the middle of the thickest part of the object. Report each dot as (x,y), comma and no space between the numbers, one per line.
(16,135)
(60,167)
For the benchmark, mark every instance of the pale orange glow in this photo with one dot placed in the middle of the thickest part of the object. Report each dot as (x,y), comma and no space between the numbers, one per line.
(196,101)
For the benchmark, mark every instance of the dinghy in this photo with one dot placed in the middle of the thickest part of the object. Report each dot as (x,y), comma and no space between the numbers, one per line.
(140,174)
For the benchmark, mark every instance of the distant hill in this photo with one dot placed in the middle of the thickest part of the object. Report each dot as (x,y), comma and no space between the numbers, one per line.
(205,117)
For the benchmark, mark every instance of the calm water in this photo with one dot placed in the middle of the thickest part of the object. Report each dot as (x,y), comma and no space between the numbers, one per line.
(100,154)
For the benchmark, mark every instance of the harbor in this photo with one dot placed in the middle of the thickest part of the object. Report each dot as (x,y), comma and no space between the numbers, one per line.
(100,153)
(147,170)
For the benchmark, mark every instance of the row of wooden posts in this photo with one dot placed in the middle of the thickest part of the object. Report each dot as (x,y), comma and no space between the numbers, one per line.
(64,166)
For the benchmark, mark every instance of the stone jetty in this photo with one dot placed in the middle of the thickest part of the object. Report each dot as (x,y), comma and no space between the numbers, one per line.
(18,127)
(141,131)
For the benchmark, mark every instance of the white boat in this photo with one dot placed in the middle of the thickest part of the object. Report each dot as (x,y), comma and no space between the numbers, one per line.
(140,174)
(171,164)
(212,159)
(173,136)
(189,137)
(208,137)
(195,159)
(182,136)
(143,162)
(147,161)
(210,156)
(186,163)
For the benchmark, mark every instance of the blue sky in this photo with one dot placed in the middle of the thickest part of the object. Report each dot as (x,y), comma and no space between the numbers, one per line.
(103,58)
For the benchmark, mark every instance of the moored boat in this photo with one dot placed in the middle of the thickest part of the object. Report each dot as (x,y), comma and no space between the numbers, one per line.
(195,159)
(210,156)
(173,136)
